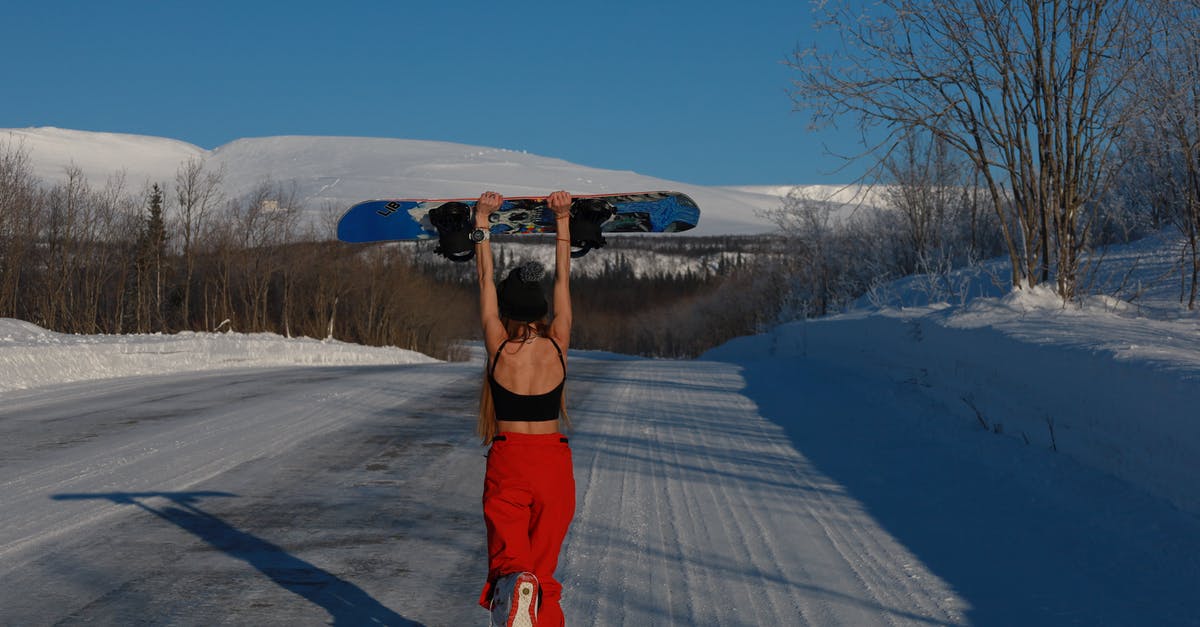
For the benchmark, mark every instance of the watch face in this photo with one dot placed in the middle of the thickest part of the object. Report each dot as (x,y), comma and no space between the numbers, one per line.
(478,235)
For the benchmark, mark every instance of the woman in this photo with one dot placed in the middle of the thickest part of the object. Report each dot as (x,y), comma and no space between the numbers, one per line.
(529,488)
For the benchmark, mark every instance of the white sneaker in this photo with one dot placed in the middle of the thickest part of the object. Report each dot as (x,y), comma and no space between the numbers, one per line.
(514,601)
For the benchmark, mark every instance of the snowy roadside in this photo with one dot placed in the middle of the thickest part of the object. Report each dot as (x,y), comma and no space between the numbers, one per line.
(32,357)
(1114,391)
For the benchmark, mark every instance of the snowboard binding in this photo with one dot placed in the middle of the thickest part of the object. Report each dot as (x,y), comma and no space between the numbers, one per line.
(587,216)
(453,223)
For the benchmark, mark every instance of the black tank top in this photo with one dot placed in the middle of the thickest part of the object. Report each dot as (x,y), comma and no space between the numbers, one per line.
(526,407)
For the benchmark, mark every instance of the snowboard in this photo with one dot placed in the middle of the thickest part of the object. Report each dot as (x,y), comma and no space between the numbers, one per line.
(409,219)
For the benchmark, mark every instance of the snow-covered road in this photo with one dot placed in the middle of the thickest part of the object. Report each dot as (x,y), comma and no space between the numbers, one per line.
(695,510)
(709,493)
(256,497)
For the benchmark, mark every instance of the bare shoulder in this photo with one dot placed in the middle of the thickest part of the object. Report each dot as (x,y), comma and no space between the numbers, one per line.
(560,340)
(494,335)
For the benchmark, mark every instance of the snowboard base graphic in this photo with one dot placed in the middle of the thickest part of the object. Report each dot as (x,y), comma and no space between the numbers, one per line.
(409,219)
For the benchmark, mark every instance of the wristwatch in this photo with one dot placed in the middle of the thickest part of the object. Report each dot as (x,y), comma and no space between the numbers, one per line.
(480,235)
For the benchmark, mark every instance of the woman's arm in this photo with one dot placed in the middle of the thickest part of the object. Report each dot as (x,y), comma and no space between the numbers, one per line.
(489,306)
(560,328)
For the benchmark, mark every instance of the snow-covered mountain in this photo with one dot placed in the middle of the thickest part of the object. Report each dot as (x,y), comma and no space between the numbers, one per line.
(339,171)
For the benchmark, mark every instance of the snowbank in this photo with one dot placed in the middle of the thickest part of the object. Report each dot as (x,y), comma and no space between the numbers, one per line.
(31,356)
(1116,392)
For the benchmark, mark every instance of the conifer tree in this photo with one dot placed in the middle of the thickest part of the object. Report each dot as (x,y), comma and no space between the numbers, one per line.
(151,254)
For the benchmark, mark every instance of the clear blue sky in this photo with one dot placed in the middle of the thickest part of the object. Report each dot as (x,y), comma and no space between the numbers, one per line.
(691,91)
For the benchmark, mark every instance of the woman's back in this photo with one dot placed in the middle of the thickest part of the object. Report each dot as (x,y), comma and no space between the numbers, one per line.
(528,368)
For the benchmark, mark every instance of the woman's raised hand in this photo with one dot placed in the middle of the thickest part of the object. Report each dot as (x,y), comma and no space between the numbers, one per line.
(487,204)
(560,204)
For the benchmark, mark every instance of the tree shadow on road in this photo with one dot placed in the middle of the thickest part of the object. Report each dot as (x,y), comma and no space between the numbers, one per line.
(346,603)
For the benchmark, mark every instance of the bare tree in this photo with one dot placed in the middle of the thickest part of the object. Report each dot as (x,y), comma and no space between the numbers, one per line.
(20,220)
(70,206)
(260,225)
(198,193)
(1173,82)
(1029,91)
(105,235)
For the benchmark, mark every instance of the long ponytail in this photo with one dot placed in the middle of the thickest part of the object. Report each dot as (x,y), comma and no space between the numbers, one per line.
(486,426)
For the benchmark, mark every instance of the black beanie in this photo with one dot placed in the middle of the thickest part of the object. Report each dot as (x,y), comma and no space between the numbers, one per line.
(520,293)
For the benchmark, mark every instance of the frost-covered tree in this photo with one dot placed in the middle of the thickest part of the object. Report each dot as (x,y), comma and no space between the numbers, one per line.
(1030,92)
(1172,140)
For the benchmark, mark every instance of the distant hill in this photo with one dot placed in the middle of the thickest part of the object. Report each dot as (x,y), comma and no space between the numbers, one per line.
(338,171)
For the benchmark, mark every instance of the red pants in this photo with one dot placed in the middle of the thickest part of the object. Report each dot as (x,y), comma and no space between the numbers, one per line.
(528,504)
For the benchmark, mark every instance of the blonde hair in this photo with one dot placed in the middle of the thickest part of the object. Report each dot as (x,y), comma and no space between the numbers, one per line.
(486,426)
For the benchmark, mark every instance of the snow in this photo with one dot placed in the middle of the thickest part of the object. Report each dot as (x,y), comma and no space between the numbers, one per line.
(340,171)
(1114,393)
(850,195)
(32,357)
(100,156)
(948,453)
(887,466)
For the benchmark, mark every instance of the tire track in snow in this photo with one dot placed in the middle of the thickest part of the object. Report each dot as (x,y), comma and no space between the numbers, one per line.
(693,509)
(755,534)
(184,446)
(350,496)
(696,510)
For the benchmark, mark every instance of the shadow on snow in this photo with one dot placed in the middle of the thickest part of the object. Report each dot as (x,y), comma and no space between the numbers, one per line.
(346,603)
(1021,534)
